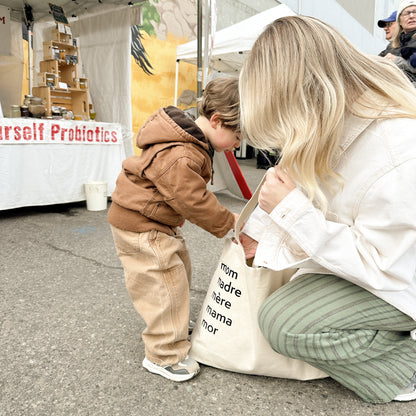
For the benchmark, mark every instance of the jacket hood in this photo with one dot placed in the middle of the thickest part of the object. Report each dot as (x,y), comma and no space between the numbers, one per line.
(170,125)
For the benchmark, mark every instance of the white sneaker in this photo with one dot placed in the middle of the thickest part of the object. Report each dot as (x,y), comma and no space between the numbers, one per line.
(184,370)
(408,393)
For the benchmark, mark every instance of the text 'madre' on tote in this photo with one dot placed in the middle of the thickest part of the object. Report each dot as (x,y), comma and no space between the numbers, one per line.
(227,335)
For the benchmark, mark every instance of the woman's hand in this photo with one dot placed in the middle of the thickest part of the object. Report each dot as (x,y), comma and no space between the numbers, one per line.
(390,57)
(276,187)
(249,245)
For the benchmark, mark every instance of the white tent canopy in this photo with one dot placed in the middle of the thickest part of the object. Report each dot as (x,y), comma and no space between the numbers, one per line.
(232,44)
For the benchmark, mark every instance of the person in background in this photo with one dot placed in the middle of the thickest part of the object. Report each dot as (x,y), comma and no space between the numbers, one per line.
(340,206)
(389,25)
(155,193)
(403,42)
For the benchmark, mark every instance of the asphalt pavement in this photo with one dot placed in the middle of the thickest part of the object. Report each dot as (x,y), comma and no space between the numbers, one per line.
(70,339)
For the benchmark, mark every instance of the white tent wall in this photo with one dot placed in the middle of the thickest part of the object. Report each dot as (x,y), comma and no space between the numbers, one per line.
(11,71)
(104,44)
(5,31)
(104,36)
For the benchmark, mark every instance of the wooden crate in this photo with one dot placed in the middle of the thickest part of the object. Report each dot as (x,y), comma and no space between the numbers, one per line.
(50,66)
(61,98)
(80,103)
(72,99)
(68,74)
(67,49)
(60,37)
(48,79)
(48,51)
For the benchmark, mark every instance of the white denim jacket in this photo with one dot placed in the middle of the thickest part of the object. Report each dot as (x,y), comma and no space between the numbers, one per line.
(368,235)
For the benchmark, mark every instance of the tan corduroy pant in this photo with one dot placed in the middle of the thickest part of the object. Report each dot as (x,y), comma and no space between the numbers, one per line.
(157,269)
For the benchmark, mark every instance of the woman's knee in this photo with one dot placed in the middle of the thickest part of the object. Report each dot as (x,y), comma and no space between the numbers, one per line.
(273,324)
(285,314)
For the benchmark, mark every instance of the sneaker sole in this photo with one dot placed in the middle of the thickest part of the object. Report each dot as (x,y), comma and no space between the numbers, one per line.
(406,397)
(155,369)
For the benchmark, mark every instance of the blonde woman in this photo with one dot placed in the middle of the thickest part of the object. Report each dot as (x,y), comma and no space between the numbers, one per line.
(340,207)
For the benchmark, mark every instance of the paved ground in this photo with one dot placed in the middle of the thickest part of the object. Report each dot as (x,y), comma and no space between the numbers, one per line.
(70,338)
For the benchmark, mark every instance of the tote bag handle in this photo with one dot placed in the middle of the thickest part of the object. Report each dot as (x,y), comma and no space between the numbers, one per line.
(247,210)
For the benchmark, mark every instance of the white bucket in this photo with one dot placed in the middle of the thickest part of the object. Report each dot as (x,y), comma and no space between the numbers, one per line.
(96,193)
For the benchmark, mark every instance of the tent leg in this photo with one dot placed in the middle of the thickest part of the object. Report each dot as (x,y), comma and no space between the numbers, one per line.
(206,43)
(199,49)
(176,82)
(29,48)
(238,175)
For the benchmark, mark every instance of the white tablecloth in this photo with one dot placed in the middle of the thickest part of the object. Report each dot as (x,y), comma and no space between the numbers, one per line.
(45,172)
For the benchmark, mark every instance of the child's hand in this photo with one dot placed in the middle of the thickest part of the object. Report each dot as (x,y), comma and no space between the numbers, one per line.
(249,245)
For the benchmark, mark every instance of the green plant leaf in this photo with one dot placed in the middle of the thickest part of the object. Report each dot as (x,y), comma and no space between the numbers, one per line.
(149,13)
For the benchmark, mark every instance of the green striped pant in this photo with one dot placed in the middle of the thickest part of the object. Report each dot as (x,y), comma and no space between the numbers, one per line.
(353,336)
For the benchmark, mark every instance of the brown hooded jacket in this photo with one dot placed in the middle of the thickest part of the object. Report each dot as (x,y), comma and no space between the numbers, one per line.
(166,183)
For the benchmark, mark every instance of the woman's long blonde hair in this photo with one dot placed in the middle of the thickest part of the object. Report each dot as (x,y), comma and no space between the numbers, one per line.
(298,83)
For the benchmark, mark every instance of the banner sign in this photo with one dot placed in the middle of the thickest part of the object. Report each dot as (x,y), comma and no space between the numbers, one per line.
(36,130)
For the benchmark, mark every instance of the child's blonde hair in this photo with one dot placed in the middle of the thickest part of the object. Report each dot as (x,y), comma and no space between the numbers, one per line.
(296,85)
(221,97)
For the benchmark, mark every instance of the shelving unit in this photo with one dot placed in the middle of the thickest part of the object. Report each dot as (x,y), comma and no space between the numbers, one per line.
(58,80)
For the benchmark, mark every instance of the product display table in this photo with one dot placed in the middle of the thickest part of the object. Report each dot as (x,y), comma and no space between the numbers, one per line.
(45,162)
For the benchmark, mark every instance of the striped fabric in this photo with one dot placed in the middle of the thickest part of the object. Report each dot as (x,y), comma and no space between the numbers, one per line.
(353,336)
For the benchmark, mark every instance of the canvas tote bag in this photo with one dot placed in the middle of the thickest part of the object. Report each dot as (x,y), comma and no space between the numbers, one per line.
(227,335)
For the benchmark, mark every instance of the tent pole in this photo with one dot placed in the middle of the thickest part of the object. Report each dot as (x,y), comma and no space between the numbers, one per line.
(206,42)
(29,47)
(176,82)
(199,50)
